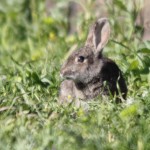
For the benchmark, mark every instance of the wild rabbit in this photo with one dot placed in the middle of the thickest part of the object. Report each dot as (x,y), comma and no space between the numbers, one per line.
(89,74)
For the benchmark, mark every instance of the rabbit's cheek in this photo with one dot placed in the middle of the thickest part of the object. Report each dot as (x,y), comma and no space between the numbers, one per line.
(69,73)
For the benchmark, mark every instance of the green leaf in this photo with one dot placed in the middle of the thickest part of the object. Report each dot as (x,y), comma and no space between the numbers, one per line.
(144,50)
(134,65)
(45,81)
(129,111)
(120,4)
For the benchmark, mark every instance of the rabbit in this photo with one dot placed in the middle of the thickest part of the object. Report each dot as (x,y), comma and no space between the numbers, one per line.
(87,73)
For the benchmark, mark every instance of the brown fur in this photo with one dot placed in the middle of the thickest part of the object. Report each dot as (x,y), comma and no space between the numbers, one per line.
(94,76)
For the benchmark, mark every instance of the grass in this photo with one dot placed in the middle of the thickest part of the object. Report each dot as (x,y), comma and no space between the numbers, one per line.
(32,48)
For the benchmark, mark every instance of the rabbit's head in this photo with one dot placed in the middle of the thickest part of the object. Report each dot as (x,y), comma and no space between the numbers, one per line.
(85,63)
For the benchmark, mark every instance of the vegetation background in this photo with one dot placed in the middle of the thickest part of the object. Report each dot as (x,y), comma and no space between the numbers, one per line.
(33,46)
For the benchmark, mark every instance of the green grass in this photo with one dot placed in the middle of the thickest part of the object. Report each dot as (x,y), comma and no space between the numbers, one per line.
(32,48)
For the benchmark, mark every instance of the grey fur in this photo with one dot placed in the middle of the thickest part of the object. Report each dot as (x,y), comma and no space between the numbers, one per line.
(85,80)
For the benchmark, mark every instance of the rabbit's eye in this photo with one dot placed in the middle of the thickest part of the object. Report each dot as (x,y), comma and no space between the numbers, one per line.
(80,59)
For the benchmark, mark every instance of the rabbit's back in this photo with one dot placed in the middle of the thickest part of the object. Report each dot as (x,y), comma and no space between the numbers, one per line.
(112,75)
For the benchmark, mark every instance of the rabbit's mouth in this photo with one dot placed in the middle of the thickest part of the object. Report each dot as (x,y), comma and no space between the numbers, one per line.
(68,77)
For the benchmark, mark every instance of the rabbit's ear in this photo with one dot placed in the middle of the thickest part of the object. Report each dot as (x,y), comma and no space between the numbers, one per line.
(98,35)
